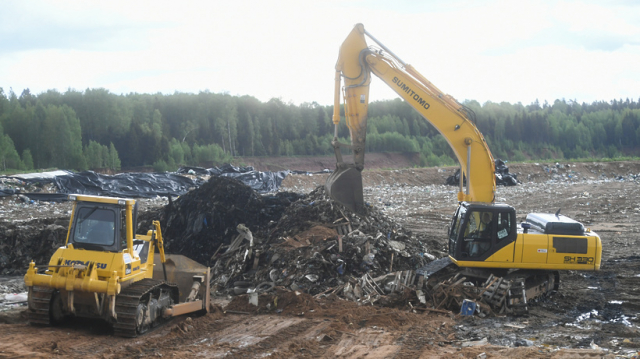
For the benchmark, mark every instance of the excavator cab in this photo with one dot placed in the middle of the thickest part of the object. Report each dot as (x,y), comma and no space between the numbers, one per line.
(478,230)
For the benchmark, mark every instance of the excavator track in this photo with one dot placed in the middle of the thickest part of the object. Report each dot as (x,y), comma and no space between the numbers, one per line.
(511,294)
(518,297)
(130,304)
(505,293)
(40,305)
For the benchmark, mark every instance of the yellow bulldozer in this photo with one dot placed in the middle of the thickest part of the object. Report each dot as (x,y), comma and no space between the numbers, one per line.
(106,271)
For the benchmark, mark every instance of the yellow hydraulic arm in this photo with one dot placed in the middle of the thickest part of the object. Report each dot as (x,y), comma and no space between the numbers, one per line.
(355,64)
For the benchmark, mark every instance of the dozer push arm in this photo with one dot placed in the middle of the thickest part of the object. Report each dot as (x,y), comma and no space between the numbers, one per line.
(157,237)
(355,64)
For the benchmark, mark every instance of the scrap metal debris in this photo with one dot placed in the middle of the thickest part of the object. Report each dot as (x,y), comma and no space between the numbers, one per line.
(255,243)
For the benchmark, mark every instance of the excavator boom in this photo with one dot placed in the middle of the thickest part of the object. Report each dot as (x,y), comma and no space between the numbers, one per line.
(355,64)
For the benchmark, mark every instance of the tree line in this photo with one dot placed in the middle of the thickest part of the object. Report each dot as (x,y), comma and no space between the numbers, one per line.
(98,129)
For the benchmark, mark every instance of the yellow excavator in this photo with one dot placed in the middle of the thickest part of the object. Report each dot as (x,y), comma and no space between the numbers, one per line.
(485,240)
(105,271)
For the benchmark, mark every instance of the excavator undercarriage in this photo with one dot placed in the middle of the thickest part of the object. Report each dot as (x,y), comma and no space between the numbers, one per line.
(498,292)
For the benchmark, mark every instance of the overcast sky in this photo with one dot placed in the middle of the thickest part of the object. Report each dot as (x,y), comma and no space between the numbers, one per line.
(514,51)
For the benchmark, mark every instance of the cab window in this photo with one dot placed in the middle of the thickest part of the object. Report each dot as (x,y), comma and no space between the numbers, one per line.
(95,226)
(478,233)
(456,223)
(504,227)
(479,225)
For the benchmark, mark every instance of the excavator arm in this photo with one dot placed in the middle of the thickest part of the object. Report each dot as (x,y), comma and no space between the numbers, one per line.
(355,64)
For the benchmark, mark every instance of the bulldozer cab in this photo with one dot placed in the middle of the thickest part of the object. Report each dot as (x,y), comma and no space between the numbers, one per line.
(479,230)
(97,227)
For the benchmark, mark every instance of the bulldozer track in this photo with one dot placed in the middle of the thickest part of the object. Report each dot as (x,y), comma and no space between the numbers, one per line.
(127,304)
(40,302)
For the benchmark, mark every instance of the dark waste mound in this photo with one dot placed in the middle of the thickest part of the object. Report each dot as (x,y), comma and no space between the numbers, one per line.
(199,222)
(36,240)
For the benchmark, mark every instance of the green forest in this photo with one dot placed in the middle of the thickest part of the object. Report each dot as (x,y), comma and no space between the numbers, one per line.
(95,128)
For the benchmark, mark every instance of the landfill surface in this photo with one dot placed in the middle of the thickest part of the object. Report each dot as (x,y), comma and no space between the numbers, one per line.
(296,275)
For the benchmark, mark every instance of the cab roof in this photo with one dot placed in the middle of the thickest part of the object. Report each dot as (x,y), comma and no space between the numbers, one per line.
(101,199)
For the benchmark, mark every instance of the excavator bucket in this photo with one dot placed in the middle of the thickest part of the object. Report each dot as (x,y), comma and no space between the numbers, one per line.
(345,187)
(180,271)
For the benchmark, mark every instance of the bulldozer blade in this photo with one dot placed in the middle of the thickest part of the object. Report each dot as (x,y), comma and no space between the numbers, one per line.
(180,271)
(345,187)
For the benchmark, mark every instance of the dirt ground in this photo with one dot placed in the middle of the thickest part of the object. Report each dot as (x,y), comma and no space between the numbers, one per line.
(594,314)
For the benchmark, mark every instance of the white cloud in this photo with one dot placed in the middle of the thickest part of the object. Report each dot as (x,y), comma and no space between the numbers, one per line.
(487,50)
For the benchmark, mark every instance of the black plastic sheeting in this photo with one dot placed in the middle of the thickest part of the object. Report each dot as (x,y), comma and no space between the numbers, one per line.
(261,182)
(145,185)
(503,177)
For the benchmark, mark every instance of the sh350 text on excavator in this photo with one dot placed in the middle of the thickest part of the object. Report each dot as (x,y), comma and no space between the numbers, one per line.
(515,263)
(105,271)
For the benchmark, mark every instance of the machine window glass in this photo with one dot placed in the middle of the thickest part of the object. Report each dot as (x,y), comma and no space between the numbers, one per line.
(479,225)
(456,222)
(95,226)
(504,226)
(478,233)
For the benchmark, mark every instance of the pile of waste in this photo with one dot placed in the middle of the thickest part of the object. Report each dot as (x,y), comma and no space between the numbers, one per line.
(198,223)
(305,243)
(319,245)
(23,242)
(262,182)
(13,293)
(503,177)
